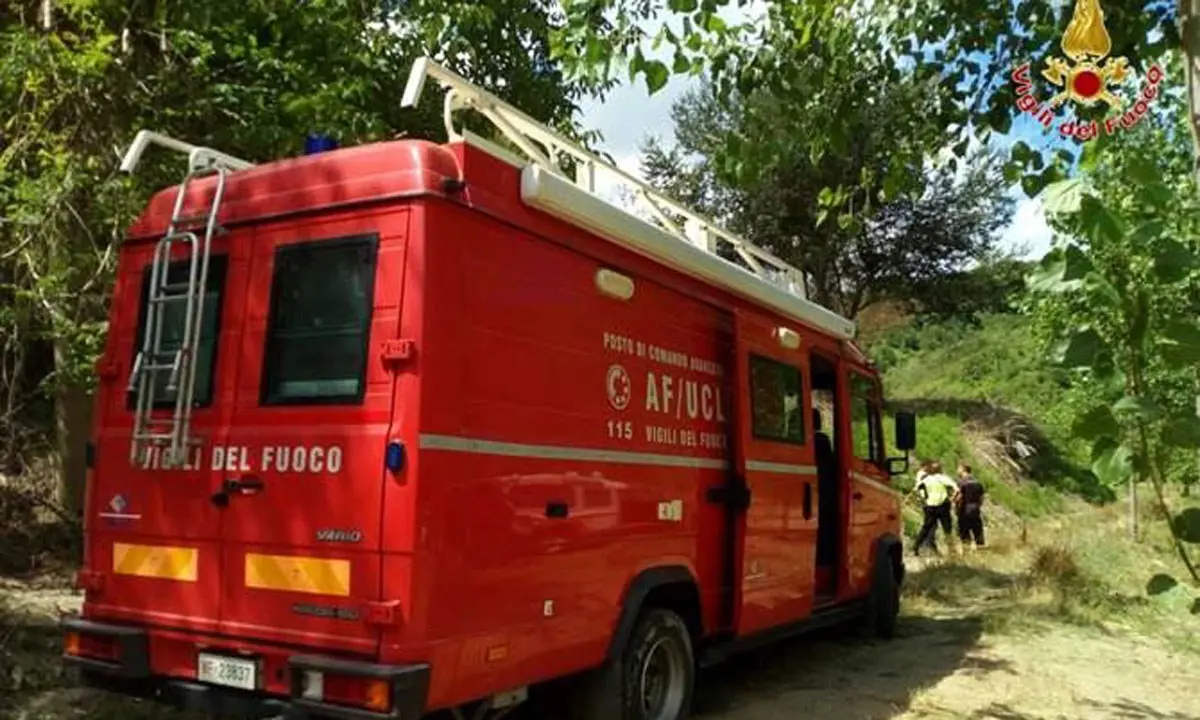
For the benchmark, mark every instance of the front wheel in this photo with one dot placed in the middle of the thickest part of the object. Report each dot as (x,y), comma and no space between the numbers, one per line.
(883,607)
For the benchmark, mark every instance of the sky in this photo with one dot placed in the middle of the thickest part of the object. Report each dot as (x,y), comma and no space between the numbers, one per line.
(629,114)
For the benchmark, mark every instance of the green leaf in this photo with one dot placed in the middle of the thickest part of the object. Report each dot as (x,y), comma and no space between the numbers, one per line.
(1079,350)
(1060,270)
(681,62)
(1077,264)
(1187,525)
(1064,196)
(656,75)
(1173,261)
(1196,606)
(1161,583)
(1098,222)
(1096,423)
(1143,409)
(1182,432)
(683,6)
(1180,343)
(1111,462)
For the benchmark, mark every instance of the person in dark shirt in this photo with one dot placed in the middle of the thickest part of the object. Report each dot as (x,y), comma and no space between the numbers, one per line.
(969,502)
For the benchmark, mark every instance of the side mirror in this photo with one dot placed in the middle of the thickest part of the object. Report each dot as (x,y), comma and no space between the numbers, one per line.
(906,431)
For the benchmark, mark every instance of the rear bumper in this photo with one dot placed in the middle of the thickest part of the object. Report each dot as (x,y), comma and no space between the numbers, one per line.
(130,673)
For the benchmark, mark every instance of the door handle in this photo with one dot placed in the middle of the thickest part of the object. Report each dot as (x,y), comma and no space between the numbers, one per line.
(857,495)
(246,485)
(557,509)
(807,501)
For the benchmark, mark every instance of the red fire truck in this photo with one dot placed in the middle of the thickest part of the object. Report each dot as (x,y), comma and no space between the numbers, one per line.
(409,427)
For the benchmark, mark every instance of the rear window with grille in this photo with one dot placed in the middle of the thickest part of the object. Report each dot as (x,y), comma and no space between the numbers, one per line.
(172,331)
(321,300)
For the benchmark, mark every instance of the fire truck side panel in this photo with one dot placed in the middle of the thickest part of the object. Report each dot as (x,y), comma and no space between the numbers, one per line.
(567,439)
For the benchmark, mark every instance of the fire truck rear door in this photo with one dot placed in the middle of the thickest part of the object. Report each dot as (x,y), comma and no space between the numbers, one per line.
(303,463)
(154,532)
(775,457)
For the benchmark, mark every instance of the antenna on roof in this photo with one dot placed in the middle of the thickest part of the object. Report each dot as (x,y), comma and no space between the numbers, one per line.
(542,145)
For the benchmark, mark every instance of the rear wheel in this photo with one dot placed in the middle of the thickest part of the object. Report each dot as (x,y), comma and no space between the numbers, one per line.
(654,679)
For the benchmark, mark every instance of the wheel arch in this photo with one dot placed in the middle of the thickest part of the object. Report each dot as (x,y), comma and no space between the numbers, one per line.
(889,547)
(672,587)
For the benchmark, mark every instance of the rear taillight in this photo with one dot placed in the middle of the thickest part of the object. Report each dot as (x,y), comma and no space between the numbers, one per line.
(97,647)
(89,580)
(370,693)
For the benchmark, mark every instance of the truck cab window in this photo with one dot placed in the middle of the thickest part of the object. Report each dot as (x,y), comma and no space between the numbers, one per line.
(172,330)
(322,294)
(867,427)
(775,401)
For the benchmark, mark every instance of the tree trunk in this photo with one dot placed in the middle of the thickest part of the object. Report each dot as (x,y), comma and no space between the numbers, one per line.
(72,426)
(1133,508)
(1189,33)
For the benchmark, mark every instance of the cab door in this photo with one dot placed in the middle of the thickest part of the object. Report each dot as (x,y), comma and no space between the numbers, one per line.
(873,505)
(301,470)
(774,456)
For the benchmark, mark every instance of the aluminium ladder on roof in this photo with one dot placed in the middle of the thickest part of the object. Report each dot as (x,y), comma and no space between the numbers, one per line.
(528,134)
(155,360)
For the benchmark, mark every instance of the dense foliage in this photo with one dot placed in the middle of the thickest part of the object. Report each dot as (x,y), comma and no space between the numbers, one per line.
(1121,294)
(79,79)
(915,231)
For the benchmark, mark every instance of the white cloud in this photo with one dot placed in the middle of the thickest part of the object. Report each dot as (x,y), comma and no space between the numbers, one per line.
(1028,234)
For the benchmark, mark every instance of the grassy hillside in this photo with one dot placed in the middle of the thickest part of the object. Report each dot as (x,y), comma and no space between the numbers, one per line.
(985,395)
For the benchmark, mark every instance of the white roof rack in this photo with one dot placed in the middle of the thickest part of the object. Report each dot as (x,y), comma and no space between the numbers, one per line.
(199,158)
(692,248)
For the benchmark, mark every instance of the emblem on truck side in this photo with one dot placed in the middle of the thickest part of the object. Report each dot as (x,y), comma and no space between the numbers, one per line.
(339,536)
(620,389)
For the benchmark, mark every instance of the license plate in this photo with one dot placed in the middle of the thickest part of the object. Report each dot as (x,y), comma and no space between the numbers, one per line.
(228,671)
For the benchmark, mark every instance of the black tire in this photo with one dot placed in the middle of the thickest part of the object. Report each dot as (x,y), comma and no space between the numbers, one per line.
(654,679)
(883,605)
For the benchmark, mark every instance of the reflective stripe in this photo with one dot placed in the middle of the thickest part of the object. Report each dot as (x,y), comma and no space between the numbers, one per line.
(318,576)
(785,468)
(560,452)
(168,563)
(875,484)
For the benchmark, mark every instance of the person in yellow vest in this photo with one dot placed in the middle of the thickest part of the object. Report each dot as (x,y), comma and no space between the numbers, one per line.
(935,490)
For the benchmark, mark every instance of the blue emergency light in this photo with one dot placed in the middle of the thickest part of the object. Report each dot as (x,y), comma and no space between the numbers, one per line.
(394,458)
(318,142)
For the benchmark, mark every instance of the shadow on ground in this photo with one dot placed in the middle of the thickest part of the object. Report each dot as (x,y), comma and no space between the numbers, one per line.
(836,675)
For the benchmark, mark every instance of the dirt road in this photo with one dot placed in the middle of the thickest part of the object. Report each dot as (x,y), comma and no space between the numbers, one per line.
(960,657)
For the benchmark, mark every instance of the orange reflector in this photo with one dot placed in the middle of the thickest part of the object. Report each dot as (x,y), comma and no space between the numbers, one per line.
(71,643)
(378,695)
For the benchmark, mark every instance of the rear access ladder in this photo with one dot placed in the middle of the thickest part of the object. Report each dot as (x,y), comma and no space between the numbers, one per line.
(171,337)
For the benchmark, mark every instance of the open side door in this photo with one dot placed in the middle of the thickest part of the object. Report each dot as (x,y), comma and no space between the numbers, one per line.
(873,506)
(773,453)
